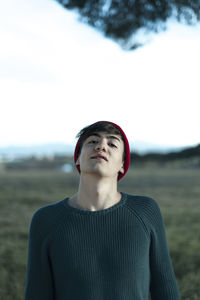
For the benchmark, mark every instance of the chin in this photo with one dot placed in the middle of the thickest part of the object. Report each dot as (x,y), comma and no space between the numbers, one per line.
(94,172)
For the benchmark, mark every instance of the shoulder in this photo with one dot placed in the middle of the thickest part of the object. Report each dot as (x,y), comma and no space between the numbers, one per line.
(146,208)
(143,204)
(45,218)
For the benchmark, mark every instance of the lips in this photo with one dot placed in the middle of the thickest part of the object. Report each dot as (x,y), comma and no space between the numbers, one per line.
(99,156)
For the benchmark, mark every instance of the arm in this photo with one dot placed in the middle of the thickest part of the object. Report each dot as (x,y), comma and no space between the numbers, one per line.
(39,279)
(163,282)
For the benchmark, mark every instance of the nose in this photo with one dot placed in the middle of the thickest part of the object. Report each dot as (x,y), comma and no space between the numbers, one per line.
(101,145)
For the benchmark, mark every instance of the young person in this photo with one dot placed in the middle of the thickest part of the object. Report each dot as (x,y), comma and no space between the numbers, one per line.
(100,244)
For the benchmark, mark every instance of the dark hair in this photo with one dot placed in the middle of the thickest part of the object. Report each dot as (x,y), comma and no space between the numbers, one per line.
(97,127)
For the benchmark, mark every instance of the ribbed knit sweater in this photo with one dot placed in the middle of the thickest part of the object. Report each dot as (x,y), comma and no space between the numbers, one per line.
(118,253)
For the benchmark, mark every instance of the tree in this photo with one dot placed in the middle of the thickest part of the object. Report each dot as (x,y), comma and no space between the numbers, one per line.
(122,19)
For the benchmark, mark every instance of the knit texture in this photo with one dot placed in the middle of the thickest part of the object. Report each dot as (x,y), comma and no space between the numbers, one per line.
(118,253)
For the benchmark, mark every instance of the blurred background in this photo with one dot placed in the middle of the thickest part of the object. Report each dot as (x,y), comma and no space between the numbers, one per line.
(67,64)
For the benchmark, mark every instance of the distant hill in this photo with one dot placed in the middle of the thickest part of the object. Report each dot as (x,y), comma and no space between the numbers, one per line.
(187,156)
(143,147)
(55,149)
(52,149)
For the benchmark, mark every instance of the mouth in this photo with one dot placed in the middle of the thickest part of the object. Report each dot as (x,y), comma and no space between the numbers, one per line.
(99,157)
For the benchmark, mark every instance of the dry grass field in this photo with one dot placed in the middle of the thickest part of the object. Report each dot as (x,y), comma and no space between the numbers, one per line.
(177,190)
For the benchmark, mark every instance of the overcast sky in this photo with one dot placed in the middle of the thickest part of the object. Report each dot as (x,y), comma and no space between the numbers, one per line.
(58,75)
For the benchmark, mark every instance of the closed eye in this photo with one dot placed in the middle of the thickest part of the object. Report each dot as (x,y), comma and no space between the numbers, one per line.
(112,145)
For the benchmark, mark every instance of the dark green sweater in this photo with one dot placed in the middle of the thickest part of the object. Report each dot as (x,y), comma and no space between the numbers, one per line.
(118,253)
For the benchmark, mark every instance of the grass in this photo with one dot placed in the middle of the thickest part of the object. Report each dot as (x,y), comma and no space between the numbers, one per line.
(176,190)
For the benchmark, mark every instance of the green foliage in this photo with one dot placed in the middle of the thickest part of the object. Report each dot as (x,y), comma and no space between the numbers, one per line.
(121,20)
(176,190)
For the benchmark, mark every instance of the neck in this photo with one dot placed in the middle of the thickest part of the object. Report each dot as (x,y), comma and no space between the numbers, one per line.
(96,194)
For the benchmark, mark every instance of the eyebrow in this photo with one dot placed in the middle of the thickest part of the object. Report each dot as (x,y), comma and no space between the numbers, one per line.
(108,136)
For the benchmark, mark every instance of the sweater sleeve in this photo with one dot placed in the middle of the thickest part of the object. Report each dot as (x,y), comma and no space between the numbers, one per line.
(39,279)
(163,282)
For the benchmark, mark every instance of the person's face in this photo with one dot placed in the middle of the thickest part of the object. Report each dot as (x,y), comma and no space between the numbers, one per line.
(102,154)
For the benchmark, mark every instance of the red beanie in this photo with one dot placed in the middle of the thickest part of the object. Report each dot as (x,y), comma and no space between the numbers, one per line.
(127,151)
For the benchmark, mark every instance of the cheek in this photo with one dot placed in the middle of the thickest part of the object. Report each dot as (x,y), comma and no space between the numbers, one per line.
(118,161)
(83,155)
(121,155)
